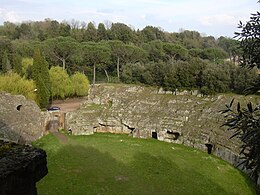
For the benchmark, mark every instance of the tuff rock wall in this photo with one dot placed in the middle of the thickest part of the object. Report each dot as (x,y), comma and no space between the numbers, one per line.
(21,120)
(186,118)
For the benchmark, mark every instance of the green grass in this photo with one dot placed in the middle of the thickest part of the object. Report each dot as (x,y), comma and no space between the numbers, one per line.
(118,164)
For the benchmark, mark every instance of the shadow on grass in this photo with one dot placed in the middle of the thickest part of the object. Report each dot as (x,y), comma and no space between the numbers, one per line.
(86,170)
(164,177)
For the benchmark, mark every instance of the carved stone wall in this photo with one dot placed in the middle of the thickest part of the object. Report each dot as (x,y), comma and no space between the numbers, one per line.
(21,120)
(186,118)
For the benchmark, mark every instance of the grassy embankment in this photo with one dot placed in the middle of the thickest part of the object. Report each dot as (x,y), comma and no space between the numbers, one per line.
(118,164)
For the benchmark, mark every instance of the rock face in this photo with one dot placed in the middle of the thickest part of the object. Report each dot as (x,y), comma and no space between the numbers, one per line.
(21,120)
(186,118)
(21,167)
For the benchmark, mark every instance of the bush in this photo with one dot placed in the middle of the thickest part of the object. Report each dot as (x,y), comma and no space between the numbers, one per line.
(14,84)
(60,83)
(80,84)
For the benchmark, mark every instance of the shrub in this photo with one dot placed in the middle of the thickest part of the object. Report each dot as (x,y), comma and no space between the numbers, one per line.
(60,83)
(14,84)
(80,84)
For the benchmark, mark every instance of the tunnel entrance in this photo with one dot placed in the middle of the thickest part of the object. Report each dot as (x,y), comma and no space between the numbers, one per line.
(173,135)
(209,148)
(154,135)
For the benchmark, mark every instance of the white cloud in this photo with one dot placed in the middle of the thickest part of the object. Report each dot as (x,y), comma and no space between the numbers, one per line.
(219,19)
(10,16)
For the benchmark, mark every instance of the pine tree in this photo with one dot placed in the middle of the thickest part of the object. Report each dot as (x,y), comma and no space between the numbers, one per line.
(5,63)
(40,74)
(17,64)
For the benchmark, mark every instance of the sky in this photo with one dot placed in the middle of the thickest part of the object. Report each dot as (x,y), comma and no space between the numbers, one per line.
(209,17)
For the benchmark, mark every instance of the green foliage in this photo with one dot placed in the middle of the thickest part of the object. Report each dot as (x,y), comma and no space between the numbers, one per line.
(80,84)
(61,49)
(155,50)
(27,67)
(61,85)
(102,32)
(250,41)
(119,51)
(216,78)
(96,55)
(121,32)
(231,46)
(14,84)
(40,74)
(214,54)
(5,63)
(24,48)
(245,123)
(17,63)
(150,33)
(91,33)
(136,73)
(175,51)
(243,79)
(119,164)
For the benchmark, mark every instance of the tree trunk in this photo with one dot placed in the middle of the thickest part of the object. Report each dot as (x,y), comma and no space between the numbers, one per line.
(94,74)
(63,64)
(117,68)
(106,75)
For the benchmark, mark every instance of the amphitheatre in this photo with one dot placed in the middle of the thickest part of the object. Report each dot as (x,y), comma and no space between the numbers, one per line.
(186,118)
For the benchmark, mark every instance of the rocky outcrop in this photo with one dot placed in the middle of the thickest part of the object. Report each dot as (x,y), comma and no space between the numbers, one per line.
(21,166)
(21,120)
(186,118)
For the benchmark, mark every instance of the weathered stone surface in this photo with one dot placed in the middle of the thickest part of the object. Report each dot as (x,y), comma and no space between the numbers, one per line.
(21,120)
(186,118)
(21,166)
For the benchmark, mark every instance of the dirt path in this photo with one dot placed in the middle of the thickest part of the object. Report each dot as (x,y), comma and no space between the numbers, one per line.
(69,105)
(61,137)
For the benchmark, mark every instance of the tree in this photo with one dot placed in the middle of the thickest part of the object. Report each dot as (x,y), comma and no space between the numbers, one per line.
(80,84)
(60,83)
(155,50)
(231,46)
(245,122)
(91,32)
(175,51)
(17,63)
(150,33)
(97,55)
(16,85)
(64,29)
(216,78)
(101,32)
(121,32)
(41,77)
(214,54)
(126,53)
(61,49)
(250,41)
(6,66)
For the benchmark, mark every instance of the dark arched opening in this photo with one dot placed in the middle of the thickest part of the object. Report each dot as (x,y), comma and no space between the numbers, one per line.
(19,107)
(209,147)
(175,135)
(154,135)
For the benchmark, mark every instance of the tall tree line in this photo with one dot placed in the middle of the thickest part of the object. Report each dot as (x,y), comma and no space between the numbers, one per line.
(114,52)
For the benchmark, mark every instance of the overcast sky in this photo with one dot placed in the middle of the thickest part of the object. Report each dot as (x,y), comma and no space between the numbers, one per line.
(210,17)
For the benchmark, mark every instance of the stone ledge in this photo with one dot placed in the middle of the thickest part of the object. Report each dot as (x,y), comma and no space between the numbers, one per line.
(21,166)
